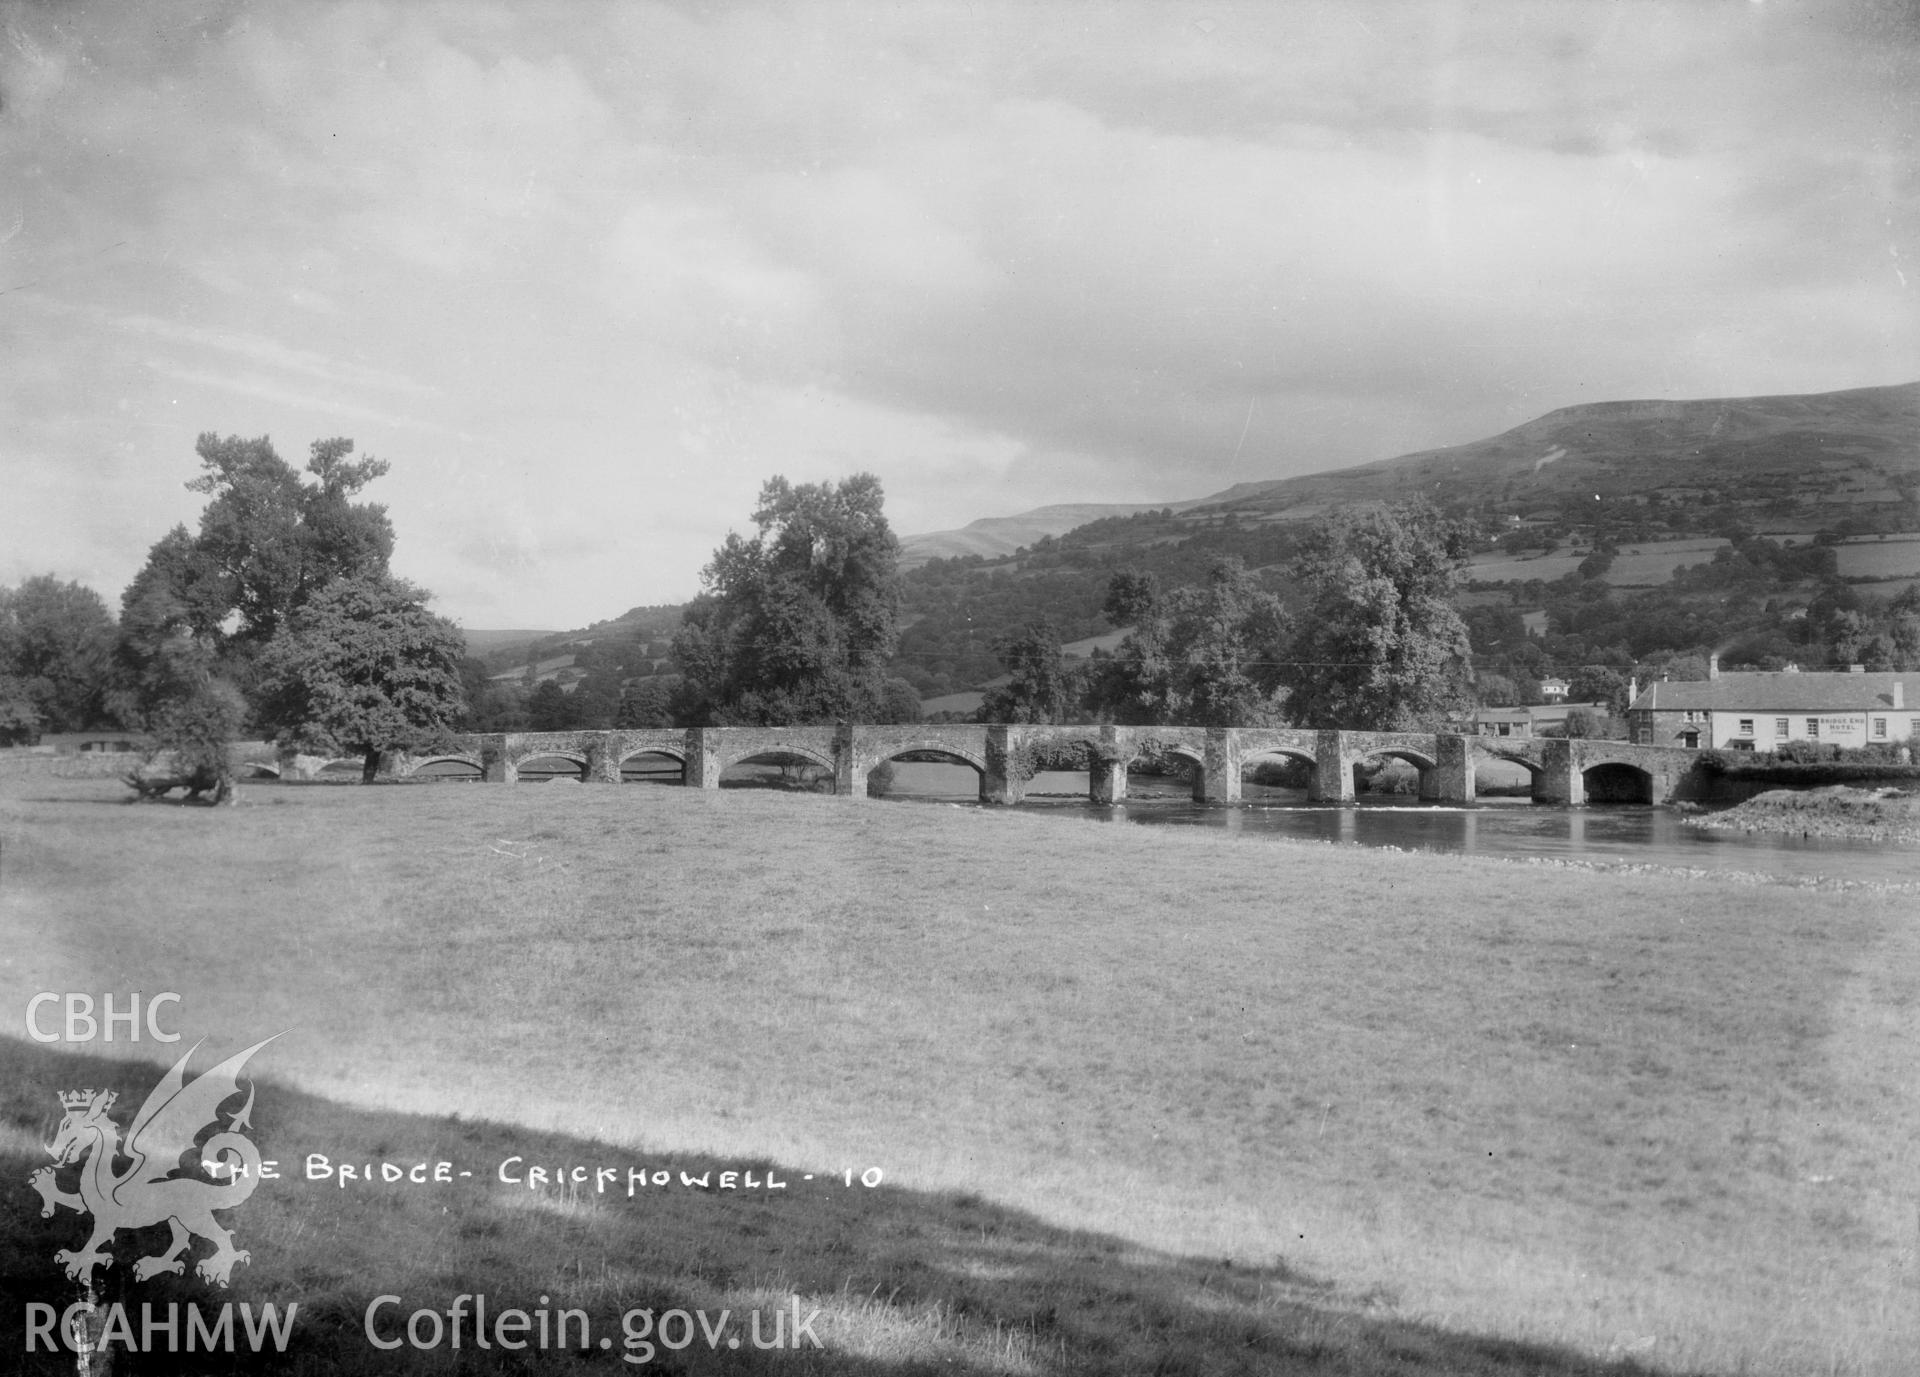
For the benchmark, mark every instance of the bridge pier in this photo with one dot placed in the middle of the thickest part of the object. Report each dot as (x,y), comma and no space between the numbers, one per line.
(603,761)
(1219,780)
(1107,770)
(1560,779)
(1332,769)
(496,764)
(1004,781)
(849,780)
(703,758)
(1451,780)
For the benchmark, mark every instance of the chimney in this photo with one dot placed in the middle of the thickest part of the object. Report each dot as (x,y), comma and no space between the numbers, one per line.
(1713,666)
(1899,695)
(1633,688)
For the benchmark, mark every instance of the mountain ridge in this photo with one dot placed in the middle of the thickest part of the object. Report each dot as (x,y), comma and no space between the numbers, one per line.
(1866,428)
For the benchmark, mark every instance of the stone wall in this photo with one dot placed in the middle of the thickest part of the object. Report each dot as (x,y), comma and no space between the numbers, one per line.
(1004,755)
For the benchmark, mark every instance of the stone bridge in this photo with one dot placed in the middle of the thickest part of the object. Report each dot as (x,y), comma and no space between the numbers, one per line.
(1005,757)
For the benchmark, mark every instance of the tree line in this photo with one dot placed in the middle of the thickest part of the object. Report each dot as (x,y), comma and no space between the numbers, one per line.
(278,616)
(801,622)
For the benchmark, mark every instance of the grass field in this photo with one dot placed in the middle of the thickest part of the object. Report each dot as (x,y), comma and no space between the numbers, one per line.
(1143,1099)
(1880,559)
(1644,564)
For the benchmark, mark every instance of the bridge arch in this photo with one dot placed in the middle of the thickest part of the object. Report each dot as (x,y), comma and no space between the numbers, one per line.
(1420,760)
(1533,767)
(670,752)
(772,752)
(536,763)
(1278,755)
(474,767)
(947,751)
(1617,781)
(627,766)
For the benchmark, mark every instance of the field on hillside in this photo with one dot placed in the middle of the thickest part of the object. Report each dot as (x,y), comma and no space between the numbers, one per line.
(1643,564)
(1879,559)
(1138,1099)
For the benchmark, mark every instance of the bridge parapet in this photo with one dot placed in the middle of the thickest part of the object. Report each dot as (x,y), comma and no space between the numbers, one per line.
(1003,754)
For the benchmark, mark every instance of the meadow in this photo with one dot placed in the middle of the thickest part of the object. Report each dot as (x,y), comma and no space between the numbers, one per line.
(1140,1099)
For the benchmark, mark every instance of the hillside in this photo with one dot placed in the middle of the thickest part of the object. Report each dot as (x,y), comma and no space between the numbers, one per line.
(992,536)
(1811,460)
(1668,485)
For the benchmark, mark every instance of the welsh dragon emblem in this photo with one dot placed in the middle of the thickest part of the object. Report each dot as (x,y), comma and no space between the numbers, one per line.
(148,1192)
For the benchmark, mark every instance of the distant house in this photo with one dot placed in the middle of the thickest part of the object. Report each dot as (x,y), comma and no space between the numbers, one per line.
(1503,722)
(1541,719)
(1550,719)
(1553,690)
(1761,711)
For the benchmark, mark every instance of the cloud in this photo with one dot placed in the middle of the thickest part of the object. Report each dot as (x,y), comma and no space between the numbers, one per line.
(602,268)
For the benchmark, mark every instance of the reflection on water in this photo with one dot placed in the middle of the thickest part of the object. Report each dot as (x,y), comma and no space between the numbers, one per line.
(1511,828)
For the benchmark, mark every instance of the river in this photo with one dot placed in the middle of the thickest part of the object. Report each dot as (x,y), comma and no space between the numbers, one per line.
(1511,828)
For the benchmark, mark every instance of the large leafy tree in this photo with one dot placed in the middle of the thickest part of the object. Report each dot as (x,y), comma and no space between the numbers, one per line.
(198,612)
(204,603)
(1204,656)
(798,623)
(1041,686)
(1380,646)
(170,637)
(362,668)
(272,539)
(56,645)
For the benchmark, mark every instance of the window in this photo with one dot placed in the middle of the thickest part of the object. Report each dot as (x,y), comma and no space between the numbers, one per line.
(1746,726)
(1879,729)
(1691,740)
(1813,729)
(1780,729)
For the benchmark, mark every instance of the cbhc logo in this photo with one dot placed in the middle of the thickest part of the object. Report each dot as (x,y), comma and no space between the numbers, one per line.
(82,1026)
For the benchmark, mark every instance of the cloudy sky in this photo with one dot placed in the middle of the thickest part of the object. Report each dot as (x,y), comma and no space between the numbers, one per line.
(587,274)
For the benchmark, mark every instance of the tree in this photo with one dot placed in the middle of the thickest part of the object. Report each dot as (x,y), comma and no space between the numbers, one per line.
(1042,687)
(1599,684)
(797,624)
(19,719)
(195,730)
(647,704)
(1204,656)
(272,540)
(203,604)
(899,704)
(362,668)
(550,708)
(169,638)
(1496,691)
(1596,565)
(1380,646)
(56,642)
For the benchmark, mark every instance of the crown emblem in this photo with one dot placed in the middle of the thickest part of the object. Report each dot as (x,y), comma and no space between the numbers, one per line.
(83,1099)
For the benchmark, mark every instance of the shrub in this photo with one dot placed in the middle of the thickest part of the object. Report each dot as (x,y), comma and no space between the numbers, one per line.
(1289,773)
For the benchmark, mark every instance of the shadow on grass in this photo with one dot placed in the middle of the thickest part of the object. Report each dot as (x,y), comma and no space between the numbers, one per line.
(905,1282)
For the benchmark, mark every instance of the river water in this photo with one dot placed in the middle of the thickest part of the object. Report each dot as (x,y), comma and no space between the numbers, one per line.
(1511,828)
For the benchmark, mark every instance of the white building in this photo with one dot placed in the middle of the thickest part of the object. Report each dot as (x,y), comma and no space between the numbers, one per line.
(1763,711)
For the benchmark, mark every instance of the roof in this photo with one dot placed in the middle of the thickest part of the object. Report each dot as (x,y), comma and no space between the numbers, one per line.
(1786,691)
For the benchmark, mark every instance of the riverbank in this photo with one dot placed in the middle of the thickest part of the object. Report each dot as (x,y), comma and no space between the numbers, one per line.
(1606,1111)
(1837,812)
